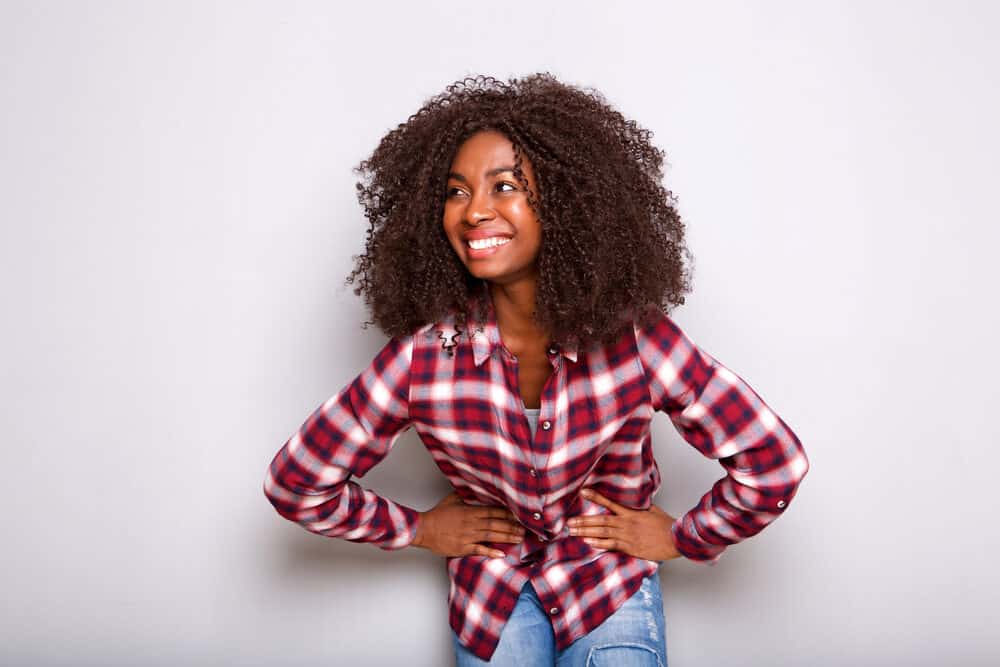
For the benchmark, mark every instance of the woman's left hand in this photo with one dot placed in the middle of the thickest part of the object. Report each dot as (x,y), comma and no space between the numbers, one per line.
(640,533)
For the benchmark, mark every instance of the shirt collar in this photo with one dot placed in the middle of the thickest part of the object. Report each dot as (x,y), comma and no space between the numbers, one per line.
(485,335)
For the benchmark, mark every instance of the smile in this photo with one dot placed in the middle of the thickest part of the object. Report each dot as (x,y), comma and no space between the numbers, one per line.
(491,242)
(482,248)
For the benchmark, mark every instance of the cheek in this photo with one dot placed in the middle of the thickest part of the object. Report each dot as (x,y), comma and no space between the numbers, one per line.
(451,238)
(448,223)
(523,216)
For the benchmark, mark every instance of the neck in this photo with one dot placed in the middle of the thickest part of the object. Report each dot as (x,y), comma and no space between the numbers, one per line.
(514,304)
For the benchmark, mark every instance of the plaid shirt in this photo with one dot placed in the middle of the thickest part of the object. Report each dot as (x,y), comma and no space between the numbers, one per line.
(458,390)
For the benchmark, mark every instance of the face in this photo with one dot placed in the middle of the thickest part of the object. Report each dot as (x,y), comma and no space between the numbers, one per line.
(487,206)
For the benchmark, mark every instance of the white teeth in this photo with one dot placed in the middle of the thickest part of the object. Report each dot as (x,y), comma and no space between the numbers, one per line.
(480,244)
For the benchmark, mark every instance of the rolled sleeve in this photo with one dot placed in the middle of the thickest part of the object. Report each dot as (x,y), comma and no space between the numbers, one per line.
(719,414)
(309,479)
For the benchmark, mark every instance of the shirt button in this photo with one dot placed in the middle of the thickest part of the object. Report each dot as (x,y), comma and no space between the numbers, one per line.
(533,472)
(546,424)
(536,516)
(781,503)
(554,611)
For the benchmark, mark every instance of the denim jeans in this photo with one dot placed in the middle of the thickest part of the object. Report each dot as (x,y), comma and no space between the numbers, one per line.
(634,636)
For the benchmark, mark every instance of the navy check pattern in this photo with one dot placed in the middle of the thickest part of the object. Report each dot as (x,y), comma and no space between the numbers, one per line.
(459,391)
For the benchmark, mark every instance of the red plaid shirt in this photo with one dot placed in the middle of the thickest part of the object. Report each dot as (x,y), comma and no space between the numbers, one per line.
(459,391)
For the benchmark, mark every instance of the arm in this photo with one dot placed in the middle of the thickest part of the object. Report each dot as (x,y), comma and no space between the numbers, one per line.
(309,479)
(720,415)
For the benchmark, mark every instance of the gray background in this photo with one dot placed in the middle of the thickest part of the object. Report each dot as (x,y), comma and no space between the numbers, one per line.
(179,215)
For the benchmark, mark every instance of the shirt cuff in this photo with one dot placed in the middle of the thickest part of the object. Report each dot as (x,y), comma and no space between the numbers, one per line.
(404,528)
(693,547)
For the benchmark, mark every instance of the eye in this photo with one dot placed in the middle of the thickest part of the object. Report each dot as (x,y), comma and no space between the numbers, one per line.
(510,185)
(453,192)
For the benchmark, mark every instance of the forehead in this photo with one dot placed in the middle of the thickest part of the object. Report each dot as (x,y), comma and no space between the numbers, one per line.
(485,150)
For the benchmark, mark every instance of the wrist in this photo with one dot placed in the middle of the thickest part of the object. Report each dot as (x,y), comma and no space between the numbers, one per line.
(418,536)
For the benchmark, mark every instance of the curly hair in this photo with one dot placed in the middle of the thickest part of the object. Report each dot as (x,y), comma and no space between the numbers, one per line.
(613,244)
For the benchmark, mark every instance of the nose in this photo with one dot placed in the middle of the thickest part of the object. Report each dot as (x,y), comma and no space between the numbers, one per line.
(478,209)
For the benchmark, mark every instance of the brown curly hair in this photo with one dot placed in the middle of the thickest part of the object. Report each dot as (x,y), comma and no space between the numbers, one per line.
(612,241)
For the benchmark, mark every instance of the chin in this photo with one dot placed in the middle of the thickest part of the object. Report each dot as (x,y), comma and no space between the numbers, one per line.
(482,274)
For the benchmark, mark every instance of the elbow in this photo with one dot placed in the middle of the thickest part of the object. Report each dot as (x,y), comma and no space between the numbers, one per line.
(799,465)
(780,483)
(794,471)
(279,497)
(305,505)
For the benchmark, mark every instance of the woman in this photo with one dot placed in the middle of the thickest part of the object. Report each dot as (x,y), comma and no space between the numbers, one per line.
(521,253)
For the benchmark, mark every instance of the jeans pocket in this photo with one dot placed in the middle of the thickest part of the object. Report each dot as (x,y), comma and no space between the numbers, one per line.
(625,654)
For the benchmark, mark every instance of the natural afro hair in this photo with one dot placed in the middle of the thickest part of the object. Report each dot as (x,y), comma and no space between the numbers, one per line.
(612,249)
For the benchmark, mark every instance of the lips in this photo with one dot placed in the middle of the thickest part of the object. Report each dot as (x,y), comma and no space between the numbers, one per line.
(485,234)
(481,253)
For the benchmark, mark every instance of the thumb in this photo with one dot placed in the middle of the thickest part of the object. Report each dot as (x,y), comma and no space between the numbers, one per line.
(594,496)
(451,499)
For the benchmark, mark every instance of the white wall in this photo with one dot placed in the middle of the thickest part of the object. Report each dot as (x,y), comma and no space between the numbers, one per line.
(179,215)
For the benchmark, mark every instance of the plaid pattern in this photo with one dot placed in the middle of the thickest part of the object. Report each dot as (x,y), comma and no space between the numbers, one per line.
(458,390)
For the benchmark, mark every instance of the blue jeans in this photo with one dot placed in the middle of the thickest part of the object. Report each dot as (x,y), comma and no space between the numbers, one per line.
(634,636)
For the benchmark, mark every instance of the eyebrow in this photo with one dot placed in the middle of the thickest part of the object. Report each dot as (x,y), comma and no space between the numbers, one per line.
(491,172)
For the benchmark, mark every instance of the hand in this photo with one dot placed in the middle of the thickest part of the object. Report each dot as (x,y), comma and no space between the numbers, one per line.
(452,528)
(640,533)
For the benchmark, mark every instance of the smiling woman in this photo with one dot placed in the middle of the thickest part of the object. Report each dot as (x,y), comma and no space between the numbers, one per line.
(570,161)
(487,216)
(521,256)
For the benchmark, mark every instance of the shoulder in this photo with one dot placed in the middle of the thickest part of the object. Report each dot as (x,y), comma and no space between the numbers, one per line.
(663,346)
(656,326)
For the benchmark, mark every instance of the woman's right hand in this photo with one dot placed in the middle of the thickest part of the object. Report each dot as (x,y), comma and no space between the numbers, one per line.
(452,528)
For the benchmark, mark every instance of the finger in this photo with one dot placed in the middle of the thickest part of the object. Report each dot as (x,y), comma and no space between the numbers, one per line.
(612,545)
(493,512)
(594,520)
(508,533)
(503,525)
(486,535)
(483,550)
(494,536)
(594,531)
(590,494)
